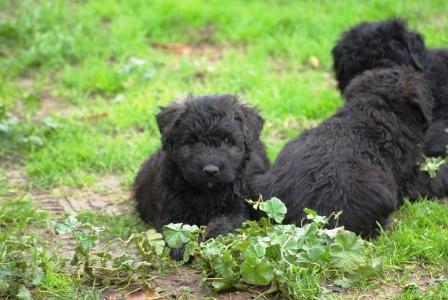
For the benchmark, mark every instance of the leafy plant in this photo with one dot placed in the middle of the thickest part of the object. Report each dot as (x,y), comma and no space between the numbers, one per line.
(431,165)
(18,135)
(25,264)
(294,261)
(117,263)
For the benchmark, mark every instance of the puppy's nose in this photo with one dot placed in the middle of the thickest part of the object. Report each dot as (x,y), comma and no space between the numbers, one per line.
(210,170)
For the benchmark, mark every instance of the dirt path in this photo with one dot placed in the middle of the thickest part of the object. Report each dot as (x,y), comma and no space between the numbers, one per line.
(109,196)
(106,195)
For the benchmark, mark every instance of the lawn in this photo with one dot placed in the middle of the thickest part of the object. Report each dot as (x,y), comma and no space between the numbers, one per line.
(81,82)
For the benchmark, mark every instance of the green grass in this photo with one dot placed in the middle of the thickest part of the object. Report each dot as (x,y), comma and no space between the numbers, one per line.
(82,54)
(419,235)
(81,81)
(25,263)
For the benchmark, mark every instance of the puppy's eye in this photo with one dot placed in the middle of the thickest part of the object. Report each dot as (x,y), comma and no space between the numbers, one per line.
(228,140)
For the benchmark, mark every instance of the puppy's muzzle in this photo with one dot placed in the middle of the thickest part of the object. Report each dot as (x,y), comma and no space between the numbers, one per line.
(210,170)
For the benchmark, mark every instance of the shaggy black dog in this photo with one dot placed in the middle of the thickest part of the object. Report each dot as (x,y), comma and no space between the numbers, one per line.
(362,160)
(391,43)
(211,148)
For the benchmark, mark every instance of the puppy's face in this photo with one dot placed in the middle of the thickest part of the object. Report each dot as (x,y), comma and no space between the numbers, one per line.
(378,44)
(209,157)
(208,138)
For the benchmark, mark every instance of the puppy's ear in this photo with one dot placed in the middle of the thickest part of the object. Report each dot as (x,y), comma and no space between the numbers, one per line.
(167,118)
(424,106)
(415,90)
(415,46)
(251,121)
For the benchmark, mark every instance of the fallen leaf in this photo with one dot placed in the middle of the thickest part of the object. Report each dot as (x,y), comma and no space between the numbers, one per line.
(176,48)
(95,117)
(235,296)
(314,61)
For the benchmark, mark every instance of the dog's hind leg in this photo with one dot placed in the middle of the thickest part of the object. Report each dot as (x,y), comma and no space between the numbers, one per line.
(370,199)
(436,138)
(426,187)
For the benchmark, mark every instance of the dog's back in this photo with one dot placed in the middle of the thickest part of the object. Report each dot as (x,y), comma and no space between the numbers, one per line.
(391,43)
(333,169)
(353,160)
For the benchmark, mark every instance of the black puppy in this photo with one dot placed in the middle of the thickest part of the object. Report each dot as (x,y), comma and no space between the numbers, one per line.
(211,148)
(390,43)
(362,160)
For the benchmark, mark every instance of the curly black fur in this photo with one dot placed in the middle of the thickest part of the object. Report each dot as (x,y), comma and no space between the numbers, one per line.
(378,44)
(362,160)
(390,43)
(211,148)
(436,137)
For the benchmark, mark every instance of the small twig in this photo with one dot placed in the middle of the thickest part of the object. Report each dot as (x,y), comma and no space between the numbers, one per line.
(48,292)
(260,294)
(107,245)
(133,291)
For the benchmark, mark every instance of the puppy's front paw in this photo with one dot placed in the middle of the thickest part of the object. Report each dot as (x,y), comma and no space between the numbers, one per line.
(220,226)
(442,174)
(178,253)
(213,232)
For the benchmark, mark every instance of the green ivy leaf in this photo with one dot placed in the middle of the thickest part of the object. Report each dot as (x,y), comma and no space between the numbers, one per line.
(257,271)
(37,276)
(69,224)
(275,209)
(223,263)
(5,275)
(212,248)
(155,239)
(178,234)
(314,254)
(344,282)
(256,249)
(5,127)
(219,285)
(87,241)
(313,216)
(348,241)
(431,165)
(61,228)
(34,140)
(23,293)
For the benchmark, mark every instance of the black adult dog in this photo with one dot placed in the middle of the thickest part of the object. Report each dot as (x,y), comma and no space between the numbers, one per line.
(362,160)
(211,149)
(390,43)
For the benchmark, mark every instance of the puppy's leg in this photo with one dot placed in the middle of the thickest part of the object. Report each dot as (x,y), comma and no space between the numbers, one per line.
(372,197)
(436,139)
(225,224)
(425,186)
(177,253)
(175,213)
(218,226)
